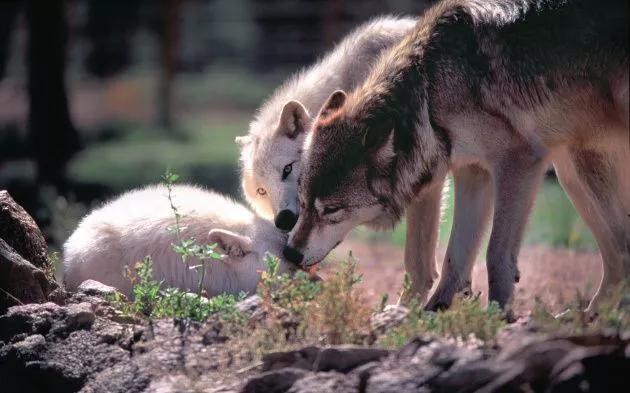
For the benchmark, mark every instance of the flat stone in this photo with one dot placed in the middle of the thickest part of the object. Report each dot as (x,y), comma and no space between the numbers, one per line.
(391,316)
(96,288)
(275,381)
(342,358)
(326,382)
(80,316)
(249,305)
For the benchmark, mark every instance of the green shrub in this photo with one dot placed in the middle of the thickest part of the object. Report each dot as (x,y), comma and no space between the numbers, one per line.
(613,315)
(151,301)
(465,318)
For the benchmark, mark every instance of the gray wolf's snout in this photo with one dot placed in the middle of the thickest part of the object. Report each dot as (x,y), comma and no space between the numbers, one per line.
(293,255)
(286,220)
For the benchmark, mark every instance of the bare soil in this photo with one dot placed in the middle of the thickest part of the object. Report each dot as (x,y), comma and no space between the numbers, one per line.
(556,276)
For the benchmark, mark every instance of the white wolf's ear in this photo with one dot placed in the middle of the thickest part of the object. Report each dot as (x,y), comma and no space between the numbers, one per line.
(293,119)
(334,102)
(243,140)
(229,242)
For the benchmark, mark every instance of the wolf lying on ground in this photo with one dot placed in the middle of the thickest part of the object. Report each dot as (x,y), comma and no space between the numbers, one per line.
(493,91)
(137,223)
(271,151)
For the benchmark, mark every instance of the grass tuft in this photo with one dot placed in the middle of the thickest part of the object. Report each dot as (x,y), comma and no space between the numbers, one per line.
(466,318)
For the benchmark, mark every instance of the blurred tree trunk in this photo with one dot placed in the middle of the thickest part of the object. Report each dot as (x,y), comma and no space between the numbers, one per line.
(332,25)
(169,46)
(53,137)
(8,12)
(289,32)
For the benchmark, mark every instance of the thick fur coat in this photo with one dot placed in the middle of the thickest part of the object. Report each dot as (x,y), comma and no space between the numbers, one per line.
(136,224)
(271,152)
(495,92)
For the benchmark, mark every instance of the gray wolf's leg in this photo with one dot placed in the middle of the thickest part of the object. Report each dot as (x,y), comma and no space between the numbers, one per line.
(517,178)
(473,203)
(593,182)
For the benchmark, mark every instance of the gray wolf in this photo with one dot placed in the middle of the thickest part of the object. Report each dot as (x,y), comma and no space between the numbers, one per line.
(494,92)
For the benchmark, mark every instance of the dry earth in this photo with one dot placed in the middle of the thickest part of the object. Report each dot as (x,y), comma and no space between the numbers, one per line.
(557,276)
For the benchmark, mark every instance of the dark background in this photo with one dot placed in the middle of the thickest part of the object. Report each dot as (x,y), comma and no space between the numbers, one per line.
(99,96)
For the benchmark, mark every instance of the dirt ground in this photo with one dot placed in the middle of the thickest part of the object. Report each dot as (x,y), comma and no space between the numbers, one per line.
(557,276)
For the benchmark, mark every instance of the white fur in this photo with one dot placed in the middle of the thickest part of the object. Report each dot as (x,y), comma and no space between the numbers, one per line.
(136,224)
(267,149)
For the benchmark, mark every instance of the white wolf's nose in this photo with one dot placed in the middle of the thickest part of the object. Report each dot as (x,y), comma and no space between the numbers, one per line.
(285,220)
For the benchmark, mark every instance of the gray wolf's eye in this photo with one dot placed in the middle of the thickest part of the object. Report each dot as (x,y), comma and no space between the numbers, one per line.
(331,209)
(261,191)
(287,171)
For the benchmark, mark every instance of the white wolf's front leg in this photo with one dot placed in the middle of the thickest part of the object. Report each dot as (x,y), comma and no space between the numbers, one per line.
(473,202)
(423,219)
(516,179)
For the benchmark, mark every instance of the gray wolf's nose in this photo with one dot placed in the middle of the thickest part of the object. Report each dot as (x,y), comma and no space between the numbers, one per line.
(285,220)
(292,255)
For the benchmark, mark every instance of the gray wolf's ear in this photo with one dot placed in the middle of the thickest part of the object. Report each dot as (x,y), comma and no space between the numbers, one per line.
(229,242)
(293,119)
(378,141)
(333,103)
(243,140)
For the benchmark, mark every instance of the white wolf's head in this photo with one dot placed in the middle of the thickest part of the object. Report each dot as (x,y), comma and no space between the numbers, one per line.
(271,165)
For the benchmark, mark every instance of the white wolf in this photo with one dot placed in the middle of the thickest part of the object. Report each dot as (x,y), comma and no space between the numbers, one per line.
(137,223)
(271,152)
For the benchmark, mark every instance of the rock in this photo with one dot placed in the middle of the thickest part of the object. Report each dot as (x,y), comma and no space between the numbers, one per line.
(249,305)
(79,316)
(326,382)
(275,381)
(416,365)
(29,319)
(95,288)
(47,319)
(51,348)
(341,358)
(391,316)
(31,344)
(602,369)
(21,232)
(20,281)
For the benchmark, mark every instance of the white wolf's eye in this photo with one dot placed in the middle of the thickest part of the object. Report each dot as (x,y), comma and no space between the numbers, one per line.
(261,191)
(287,170)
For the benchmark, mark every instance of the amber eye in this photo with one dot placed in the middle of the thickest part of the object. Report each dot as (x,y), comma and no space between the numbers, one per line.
(261,191)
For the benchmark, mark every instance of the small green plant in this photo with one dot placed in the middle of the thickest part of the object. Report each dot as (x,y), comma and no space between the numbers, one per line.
(290,292)
(188,248)
(151,301)
(613,314)
(465,318)
(406,295)
(50,266)
(338,315)
(146,290)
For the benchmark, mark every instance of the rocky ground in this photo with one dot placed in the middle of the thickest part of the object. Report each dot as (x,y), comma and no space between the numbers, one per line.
(53,341)
(86,346)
